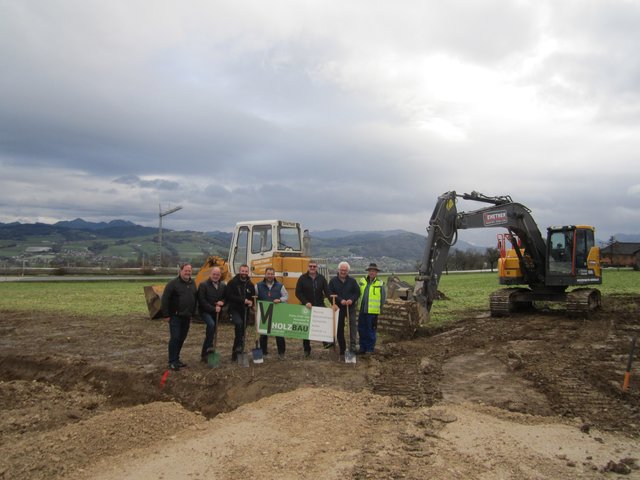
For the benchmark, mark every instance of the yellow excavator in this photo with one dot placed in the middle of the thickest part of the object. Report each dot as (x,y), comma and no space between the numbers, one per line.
(259,244)
(542,270)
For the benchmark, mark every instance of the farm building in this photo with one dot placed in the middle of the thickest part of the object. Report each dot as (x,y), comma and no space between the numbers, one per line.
(621,254)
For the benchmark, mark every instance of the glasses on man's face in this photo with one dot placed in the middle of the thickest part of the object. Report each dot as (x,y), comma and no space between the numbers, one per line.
(313,266)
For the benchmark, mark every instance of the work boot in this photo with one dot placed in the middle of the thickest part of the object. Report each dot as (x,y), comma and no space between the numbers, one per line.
(174,367)
(182,365)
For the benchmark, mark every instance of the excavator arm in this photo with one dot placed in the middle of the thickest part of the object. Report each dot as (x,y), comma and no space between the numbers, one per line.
(443,234)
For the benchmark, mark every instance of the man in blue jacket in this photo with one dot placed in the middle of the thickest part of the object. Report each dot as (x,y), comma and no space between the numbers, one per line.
(271,290)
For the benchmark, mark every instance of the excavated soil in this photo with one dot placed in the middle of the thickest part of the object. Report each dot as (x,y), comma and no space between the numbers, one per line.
(533,396)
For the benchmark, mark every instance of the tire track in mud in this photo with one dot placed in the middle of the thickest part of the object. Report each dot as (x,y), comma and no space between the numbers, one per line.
(407,375)
(583,377)
(576,364)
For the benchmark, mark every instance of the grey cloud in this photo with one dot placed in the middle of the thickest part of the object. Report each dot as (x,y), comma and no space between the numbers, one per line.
(597,61)
(253,115)
(158,184)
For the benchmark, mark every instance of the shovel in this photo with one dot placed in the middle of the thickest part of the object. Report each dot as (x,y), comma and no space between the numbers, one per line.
(213,356)
(256,353)
(349,356)
(335,353)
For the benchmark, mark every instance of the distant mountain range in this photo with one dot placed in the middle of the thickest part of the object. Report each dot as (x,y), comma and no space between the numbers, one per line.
(121,241)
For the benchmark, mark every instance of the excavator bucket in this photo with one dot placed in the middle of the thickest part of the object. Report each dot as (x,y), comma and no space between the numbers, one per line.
(400,318)
(153,296)
(402,314)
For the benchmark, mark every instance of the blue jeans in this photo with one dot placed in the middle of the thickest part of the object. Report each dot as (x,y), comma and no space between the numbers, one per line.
(367,331)
(178,330)
(210,321)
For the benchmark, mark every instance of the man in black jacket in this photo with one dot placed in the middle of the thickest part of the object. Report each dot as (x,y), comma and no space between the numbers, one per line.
(211,295)
(179,304)
(240,292)
(311,290)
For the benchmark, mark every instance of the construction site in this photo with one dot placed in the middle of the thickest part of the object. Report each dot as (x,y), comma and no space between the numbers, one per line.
(530,396)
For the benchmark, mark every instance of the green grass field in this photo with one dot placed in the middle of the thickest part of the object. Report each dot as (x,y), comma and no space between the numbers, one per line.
(464,292)
(76,298)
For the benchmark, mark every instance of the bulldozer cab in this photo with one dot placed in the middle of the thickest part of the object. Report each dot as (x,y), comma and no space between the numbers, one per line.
(572,257)
(270,243)
(256,240)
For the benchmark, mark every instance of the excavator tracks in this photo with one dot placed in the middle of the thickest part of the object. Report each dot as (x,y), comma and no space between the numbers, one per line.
(502,302)
(580,301)
(583,301)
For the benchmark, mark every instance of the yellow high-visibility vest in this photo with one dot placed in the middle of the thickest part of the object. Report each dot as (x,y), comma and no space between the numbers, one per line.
(375,294)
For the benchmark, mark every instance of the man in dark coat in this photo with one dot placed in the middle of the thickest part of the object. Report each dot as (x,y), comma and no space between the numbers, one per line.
(347,293)
(211,294)
(311,290)
(179,304)
(240,292)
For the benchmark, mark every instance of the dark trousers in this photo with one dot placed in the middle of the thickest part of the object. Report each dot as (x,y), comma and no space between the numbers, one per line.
(367,323)
(178,330)
(210,322)
(239,320)
(280,343)
(352,329)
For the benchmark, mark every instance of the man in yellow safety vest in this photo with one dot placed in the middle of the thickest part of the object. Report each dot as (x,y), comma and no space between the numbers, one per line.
(372,298)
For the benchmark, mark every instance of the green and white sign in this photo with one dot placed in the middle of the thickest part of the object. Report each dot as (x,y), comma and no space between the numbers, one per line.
(295,321)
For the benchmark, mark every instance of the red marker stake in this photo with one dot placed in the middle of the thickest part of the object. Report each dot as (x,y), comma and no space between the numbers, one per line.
(627,374)
(163,380)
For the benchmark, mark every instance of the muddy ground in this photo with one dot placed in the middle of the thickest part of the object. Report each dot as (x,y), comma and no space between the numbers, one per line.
(533,396)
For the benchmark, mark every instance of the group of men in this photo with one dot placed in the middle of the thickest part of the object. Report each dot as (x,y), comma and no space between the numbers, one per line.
(180,300)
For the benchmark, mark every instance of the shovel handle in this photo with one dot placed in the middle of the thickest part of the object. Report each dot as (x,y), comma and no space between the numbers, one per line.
(333,303)
(255,305)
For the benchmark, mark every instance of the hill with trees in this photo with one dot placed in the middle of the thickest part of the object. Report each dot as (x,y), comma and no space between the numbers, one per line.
(120,243)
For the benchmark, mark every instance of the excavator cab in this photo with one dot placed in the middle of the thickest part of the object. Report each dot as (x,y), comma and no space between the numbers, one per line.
(572,256)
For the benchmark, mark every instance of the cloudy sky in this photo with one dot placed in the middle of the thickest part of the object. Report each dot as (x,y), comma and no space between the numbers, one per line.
(339,114)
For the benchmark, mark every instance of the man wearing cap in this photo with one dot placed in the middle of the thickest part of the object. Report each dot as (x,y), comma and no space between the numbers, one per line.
(372,298)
